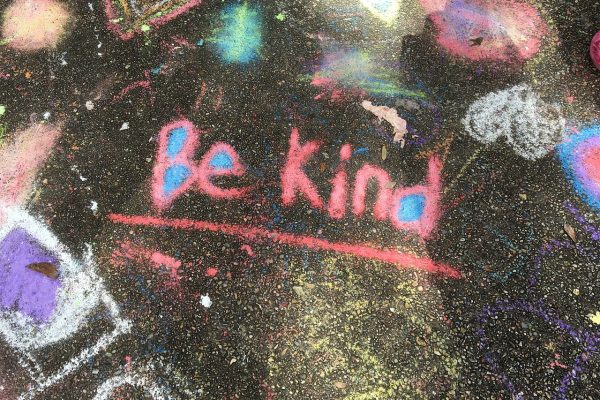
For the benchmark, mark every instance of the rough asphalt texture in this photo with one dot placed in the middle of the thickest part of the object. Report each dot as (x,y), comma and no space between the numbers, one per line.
(284,321)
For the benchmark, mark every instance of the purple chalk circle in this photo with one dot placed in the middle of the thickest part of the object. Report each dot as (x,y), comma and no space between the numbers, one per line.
(595,49)
(31,292)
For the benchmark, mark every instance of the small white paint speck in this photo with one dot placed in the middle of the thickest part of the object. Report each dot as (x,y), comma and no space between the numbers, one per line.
(89,105)
(46,115)
(206,301)
(125,126)
(93,206)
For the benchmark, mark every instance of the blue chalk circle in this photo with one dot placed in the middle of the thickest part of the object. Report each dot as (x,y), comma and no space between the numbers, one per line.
(175,176)
(175,141)
(411,208)
(222,161)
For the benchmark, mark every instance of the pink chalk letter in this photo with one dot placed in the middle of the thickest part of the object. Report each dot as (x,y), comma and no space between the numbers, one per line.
(339,191)
(361,183)
(293,177)
(220,160)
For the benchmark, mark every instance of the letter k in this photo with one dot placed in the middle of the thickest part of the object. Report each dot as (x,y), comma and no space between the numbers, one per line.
(293,177)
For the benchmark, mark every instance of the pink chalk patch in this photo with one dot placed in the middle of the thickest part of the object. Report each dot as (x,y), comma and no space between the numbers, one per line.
(31,25)
(21,160)
(212,272)
(595,50)
(137,253)
(504,30)
(591,161)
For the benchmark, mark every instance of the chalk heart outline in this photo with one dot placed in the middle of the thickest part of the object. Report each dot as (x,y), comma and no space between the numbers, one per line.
(126,25)
(588,342)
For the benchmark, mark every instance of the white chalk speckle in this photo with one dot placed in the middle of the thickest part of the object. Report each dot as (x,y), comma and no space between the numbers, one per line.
(206,301)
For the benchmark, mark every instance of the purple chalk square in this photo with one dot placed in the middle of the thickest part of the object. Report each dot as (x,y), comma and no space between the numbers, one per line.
(30,292)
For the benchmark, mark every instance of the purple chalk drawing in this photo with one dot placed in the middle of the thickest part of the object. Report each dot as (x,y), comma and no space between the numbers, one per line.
(587,225)
(588,340)
(31,292)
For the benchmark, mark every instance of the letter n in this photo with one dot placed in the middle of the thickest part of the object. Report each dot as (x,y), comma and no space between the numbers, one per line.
(363,176)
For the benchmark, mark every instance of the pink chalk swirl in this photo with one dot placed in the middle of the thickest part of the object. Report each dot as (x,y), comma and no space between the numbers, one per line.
(595,49)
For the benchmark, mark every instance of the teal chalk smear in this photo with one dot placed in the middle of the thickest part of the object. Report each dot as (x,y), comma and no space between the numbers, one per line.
(239,40)
(356,68)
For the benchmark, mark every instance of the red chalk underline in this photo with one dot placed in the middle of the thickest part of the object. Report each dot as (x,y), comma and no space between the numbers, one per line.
(391,256)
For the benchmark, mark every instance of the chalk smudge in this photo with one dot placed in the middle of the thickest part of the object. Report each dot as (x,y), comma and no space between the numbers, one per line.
(505,30)
(385,10)
(391,116)
(530,126)
(34,25)
(21,159)
(580,158)
(595,50)
(356,69)
(126,18)
(239,39)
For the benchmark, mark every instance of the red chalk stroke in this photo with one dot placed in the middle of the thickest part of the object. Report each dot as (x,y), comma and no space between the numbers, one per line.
(140,253)
(399,259)
(247,249)
(501,30)
(293,177)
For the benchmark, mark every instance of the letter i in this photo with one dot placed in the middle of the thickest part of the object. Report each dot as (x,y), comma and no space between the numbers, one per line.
(339,189)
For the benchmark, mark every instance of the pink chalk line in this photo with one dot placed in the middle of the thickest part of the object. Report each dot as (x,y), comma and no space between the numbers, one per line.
(391,256)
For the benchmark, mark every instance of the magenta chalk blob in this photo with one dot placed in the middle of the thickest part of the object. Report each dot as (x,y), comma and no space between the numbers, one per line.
(500,30)
(595,49)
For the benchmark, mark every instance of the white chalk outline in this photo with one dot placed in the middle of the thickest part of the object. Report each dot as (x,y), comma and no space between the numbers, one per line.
(81,292)
(133,379)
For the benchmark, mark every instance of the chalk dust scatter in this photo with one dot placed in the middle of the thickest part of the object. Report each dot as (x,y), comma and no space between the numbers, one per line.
(303,199)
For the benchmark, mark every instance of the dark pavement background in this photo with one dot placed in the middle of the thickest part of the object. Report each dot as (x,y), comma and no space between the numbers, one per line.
(284,321)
